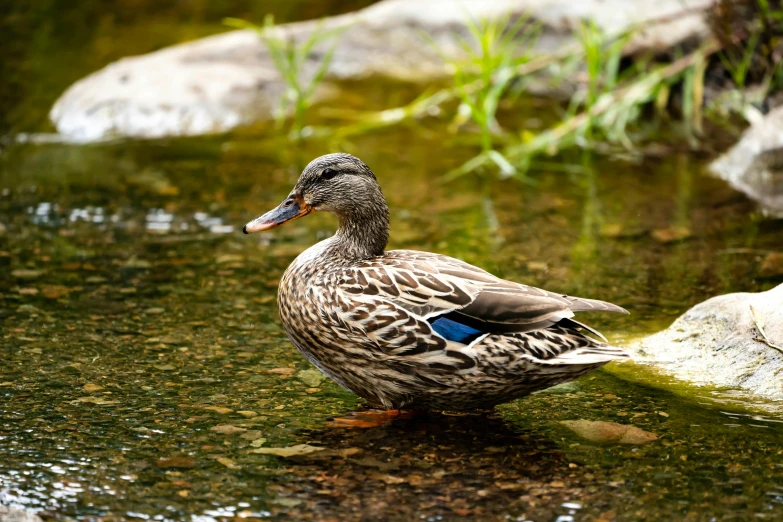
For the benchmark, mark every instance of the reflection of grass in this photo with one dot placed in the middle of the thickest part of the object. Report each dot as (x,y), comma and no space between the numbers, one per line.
(290,57)
(584,253)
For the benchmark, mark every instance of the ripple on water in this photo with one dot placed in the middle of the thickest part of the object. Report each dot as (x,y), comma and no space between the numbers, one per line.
(156,220)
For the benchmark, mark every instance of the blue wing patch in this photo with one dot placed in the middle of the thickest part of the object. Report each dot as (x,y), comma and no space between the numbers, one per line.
(454,331)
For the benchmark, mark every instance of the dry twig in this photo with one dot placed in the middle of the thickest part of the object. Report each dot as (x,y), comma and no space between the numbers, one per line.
(759,322)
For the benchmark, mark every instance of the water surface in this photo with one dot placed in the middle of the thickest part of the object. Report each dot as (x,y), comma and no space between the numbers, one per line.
(143,360)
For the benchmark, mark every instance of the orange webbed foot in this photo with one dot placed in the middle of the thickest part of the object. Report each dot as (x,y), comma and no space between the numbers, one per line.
(369,418)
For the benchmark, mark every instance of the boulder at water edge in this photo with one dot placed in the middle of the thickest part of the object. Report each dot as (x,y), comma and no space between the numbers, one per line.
(755,164)
(217,83)
(718,343)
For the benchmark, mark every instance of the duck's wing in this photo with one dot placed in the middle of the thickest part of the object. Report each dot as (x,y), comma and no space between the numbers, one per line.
(460,298)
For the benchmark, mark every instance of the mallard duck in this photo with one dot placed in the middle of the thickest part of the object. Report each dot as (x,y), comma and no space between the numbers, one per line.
(418,330)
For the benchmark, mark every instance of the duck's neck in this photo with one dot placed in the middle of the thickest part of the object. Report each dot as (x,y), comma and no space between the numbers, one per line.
(364,230)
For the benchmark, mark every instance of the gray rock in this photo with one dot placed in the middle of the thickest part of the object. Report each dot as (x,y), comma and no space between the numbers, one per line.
(755,164)
(217,83)
(9,514)
(715,343)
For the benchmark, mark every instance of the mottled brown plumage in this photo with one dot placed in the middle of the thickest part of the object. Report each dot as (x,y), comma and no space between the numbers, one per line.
(416,329)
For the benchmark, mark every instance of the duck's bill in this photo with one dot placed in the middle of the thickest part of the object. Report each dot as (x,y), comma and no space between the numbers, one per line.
(288,210)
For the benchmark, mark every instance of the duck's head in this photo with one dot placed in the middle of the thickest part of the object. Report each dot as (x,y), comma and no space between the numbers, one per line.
(338,183)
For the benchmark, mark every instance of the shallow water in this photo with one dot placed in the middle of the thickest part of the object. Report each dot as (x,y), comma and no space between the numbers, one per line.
(143,362)
(137,318)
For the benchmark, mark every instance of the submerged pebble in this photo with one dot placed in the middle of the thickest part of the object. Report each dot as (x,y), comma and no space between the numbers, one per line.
(609,432)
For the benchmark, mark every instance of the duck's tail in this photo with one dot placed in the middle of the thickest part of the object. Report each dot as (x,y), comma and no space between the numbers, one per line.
(566,346)
(586,350)
(590,356)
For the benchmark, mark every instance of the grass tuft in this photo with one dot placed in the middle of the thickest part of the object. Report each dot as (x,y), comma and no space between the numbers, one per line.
(291,58)
(618,103)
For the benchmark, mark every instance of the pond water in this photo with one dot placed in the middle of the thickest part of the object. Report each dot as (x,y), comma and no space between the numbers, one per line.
(143,363)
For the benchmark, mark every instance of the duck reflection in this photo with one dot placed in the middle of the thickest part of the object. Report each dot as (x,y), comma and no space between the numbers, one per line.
(430,466)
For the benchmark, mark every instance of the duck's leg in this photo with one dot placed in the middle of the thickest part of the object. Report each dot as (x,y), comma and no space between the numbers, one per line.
(369,418)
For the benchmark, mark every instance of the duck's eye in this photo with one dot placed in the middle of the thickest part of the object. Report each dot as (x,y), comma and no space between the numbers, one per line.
(328,173)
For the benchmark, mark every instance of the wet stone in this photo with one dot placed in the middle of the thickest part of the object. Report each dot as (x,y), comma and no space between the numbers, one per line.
(219,409)
(251,435)
(55,291)
(227,429)
(671,234)
(27,273)
(291,451)
(282,371)
(176,462)
(621,231)
(311,377)
(609,432)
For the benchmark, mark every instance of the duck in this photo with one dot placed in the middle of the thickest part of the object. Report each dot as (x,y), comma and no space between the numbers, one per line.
(414,330)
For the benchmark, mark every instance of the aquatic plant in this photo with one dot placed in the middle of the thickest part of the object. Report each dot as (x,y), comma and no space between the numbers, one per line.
(609,102)
(498,62)
(613,98)
(290,58)
(749,33)
(601,55)
(737,62)
(485,72)
(429,102)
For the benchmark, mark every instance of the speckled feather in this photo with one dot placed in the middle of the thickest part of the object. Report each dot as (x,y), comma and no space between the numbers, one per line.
(366,326)
(364,316)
